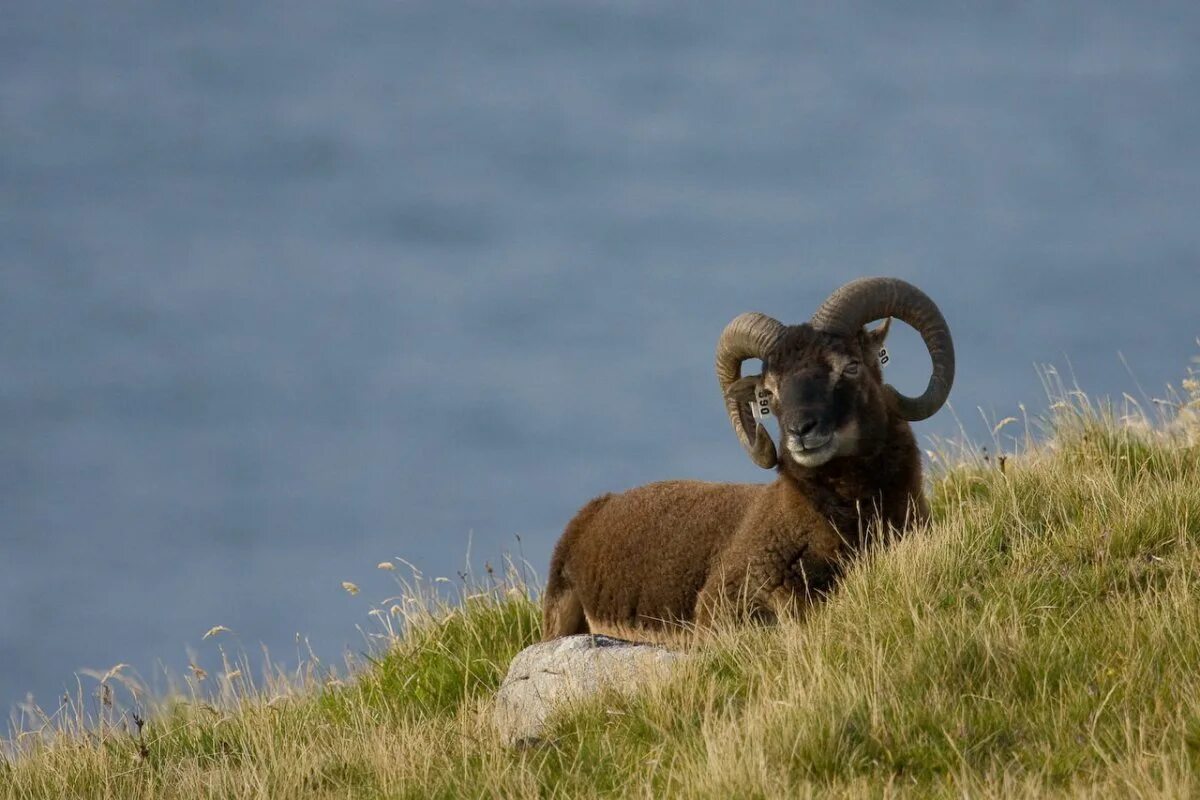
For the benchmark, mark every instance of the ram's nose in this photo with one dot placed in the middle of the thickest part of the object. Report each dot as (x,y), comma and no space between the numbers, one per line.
(809,434)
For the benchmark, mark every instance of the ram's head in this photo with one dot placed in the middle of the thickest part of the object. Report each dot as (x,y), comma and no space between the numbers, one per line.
(822,380)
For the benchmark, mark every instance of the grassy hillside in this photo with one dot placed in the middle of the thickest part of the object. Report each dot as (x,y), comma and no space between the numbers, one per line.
(1042,637)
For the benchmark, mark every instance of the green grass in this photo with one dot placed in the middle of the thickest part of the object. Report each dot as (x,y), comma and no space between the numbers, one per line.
(1040,638)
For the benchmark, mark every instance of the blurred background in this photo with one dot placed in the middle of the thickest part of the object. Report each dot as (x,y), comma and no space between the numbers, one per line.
(293,288)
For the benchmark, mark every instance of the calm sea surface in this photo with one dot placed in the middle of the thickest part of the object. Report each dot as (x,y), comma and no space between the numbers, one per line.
(291,289)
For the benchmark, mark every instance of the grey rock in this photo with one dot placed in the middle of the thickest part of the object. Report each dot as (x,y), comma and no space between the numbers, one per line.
(547,676)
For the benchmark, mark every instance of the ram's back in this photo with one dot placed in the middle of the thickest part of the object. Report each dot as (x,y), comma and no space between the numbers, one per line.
(638,559)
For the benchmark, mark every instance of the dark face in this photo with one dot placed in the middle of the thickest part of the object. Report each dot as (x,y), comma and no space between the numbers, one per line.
(826,393)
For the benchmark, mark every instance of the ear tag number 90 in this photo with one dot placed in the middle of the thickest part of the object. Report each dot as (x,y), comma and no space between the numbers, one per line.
(761,405)
(884,358)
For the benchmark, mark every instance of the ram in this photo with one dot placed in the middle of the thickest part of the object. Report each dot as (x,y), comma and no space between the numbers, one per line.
(655,561)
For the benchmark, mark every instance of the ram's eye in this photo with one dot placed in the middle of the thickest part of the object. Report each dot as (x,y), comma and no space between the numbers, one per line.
(851,369)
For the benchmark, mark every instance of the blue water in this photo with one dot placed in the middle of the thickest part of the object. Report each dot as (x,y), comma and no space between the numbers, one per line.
(287,290)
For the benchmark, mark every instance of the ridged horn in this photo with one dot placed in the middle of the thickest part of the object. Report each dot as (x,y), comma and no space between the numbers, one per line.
(868,299)
(749,335)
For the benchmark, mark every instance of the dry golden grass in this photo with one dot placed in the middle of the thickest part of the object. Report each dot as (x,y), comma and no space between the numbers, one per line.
(1041,638)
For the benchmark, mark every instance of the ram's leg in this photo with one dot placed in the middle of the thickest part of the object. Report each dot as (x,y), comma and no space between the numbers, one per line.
(788,604)
(562,608)
(777,581)
(562,611)
(730,594)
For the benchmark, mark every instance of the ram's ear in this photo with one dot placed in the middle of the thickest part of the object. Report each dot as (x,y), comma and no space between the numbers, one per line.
(740,395)
(742,392)
(743,389)
(873,339)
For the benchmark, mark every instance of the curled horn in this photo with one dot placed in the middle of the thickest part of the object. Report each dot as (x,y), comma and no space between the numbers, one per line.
(749,335)
(868,299)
